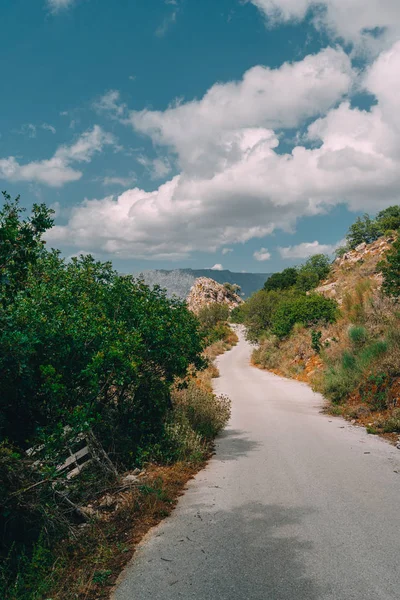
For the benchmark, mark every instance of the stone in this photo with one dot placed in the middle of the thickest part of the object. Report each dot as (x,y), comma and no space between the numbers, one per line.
(130,479)
(107,502)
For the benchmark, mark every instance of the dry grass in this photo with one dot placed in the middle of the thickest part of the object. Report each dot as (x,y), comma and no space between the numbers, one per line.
(90,564)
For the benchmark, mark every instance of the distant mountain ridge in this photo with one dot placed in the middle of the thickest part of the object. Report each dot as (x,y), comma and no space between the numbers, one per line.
(179,281)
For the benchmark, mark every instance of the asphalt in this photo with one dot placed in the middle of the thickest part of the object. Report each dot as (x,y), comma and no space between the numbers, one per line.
(295,505)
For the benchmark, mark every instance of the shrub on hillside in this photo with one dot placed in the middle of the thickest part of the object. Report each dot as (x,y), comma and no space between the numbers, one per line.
(260,308)
(363,230)
(391,272)
(213,322)
(314,270)
(389,219)
(282,281)
(307,310)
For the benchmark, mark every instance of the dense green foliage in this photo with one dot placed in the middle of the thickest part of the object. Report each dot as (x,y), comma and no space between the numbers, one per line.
(282,281)
(85,354)
(306,310)
(82,345)
(213,322)
(304,278)
(391,272)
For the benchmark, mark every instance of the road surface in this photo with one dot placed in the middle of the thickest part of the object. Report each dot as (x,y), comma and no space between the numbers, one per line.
(295,505)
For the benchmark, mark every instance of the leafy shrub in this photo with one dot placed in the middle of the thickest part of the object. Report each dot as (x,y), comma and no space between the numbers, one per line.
(314,270)
(375,391)
(316,341)
(389,219)
(213,322)
(238,314)
(365,230)
(358,336)
(282,281)
(206,413)
(267,355)
(391,272)
(260,308)
(307,310)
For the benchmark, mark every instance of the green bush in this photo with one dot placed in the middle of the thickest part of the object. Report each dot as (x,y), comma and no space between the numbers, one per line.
(389,219)
(365,230)
(316,341)
(391,272)
(375,390)
(314,270)
(338,382)
(260,308)
(282,281)
(206,413)
(307,310)
(358,335)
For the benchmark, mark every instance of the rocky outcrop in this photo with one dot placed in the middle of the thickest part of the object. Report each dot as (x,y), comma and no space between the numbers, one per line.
(206,291)
(354,266)
(365,252)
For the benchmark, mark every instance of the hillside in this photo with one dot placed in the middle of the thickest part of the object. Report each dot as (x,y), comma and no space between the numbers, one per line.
(179,281)
(353,358)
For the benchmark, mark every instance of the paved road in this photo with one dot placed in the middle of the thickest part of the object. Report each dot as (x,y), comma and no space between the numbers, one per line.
(295,505)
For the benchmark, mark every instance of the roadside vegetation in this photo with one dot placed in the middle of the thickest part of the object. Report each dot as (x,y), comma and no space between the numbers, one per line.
(92,363)
(342,333)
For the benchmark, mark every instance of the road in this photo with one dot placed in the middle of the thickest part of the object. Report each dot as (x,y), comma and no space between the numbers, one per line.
(296,505)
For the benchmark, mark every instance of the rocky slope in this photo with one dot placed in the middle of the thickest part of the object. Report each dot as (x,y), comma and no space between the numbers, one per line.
(206,291)
(354,266)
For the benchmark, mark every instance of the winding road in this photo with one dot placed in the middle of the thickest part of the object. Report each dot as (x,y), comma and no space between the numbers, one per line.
(295,505)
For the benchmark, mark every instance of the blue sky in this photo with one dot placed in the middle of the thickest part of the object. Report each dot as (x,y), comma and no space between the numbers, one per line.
(178,133)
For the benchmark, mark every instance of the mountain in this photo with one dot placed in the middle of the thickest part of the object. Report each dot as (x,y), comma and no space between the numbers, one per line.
(179,281)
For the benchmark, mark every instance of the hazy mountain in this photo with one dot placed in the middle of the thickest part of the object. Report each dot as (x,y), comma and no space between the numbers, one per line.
(179,281)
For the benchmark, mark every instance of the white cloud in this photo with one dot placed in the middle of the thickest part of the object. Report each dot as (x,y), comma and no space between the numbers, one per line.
(217,267)
(206,133)
(307,249)
(226,251)
(111,103)
(58,5)
(352,20)
(48,127)
(57,170)
(262,254)
(234,186)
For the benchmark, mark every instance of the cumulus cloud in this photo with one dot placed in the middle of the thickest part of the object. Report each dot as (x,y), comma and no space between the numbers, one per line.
(262,254)
(206,134)
(356,21)
(57,170)
(307,249)
(226,251)
(217,267)
(235,184)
